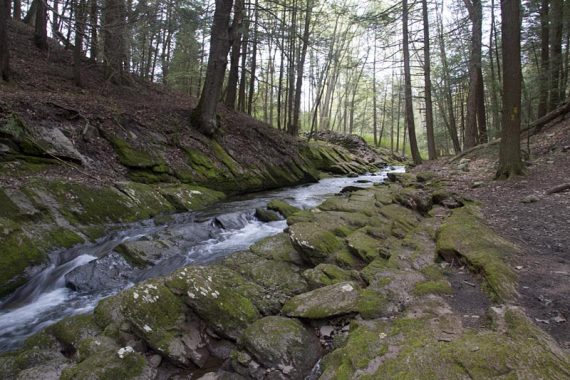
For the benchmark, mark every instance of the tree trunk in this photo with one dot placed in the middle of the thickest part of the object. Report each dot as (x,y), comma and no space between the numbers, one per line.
(544,56)
(555,52)
(295,126)
(447,89)
(432,153)
(253,59)
(40,32)
(4,48)
(235,35)
(113,39)
(93,13)
(204,116)
(17,10)
(408,88)
(78,44)
(476,15)
(509,155)
(494,87)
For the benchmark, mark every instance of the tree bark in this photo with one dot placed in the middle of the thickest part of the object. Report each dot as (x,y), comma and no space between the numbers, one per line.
(4,48)
(408,88)
(113,39)
(544,57)
(40,32)
(509,154)
(235,36)
(555,52)
(473,98)
(432,153)
(204,115)
(80,15)
(17,10)
(93,17)
(253,59)
(295,126)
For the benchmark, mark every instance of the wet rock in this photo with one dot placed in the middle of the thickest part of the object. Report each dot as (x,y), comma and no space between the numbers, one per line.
(350,189)
(109,272)
(328,274)
(143,252)
(265,215)
(281,345)
(232,221)
(352,175)
(219,296)
(314,243)
(277,247)
(282,207)
(221,375)
(329,301)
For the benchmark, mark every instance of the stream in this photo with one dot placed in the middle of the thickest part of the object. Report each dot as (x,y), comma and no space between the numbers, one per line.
(76,279)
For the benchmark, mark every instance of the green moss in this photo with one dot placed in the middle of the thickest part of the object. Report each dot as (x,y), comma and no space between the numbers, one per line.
(363,245)
(328,274)
(187,197)
(313,242)
(72,330)
(371,304)
(17,254)
(107,366)
(282,207)
(59,238)
(480,248)
(402,218)
(7,208)
(147,198)
(433,272)
(345,259)
(133,157)
(225,158)
(277,247)
(432,287)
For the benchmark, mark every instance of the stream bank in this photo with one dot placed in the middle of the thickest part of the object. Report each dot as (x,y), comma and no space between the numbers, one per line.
(363,286)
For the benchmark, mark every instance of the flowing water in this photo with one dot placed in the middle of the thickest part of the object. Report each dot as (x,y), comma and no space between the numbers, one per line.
(70,285)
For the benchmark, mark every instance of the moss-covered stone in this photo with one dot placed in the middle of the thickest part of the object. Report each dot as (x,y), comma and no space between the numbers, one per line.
(433,287)
(363,245)
(282,207)
(70,331)
(142,252)
(187,197)
(466,237)
(325,302)
(265,215)
(134,157)
(277,247)
(404,220)
(146,197)
(110,366)
(282,344)
(314,243)
(328,274)
(218,295)
(371,304)
(18,253)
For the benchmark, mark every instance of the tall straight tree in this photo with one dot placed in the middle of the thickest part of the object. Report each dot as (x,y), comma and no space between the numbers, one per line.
(432,153)
(4,50)
(510,153)
(204,115)
(544,56)
(408,87)
(114,35)
(475,10)
(556,11)
(40,32)
(294,124)
(235,35)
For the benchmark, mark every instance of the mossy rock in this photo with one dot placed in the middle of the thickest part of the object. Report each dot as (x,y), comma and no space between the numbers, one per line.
(282,207)
(110,366)
(352,204)
(265,215)
(18,253)
(282,344)
(133,157)
(372,304)
(218,295)
(466,237)
(72,330)
(345,259)
(433,287)
(277,247)
(159,317)
(363,245)
(403,219)
(146,197)
(279,276)
(187,197)
(301,216)
(328,274)
(414,199)
(142,252)
(417,348)
(325,302)
(314,243)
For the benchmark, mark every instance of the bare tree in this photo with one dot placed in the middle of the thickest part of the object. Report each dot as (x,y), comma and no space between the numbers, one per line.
(204,115)
(510,154)
(432,153)
(408,88)
(4,49)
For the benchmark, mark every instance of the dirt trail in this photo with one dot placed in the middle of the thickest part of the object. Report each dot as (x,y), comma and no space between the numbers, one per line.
(520,210)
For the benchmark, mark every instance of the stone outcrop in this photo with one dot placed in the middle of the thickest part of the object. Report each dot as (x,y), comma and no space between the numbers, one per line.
(362,282)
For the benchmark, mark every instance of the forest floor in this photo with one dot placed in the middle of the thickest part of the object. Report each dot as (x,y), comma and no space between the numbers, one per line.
(521,210)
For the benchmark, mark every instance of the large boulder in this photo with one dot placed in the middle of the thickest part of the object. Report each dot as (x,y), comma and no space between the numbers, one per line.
(282,346)
(326,302)
(313,242)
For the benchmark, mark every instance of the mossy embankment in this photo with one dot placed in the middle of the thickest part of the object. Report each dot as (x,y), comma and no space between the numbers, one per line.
(68,175)
(361,282)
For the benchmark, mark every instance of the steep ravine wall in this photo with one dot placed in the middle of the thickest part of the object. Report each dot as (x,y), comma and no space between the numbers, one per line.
(64,184)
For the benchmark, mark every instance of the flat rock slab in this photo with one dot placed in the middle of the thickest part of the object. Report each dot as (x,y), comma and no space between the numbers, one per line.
(326,302)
